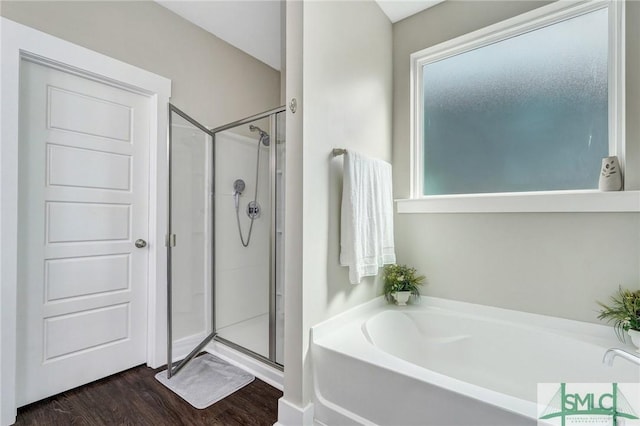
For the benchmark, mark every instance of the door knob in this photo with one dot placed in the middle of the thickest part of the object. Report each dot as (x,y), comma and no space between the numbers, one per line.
(140,243)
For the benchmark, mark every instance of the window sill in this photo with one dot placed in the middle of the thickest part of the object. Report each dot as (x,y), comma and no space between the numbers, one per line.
(519,202)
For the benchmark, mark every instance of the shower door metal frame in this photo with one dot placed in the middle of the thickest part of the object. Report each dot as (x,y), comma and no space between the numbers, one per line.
(173,368)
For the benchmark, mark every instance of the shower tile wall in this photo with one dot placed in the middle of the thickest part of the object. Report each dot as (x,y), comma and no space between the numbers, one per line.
(242,273)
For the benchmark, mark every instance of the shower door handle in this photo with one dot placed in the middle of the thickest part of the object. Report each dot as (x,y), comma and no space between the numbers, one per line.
(140,243)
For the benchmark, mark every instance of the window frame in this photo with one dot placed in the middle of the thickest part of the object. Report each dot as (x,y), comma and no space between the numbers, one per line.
(529,21)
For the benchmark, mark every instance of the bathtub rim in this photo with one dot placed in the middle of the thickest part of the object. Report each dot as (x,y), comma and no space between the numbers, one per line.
(557,324)
(355,318)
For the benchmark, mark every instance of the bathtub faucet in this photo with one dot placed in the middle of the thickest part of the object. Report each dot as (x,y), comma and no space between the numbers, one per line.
(610,354)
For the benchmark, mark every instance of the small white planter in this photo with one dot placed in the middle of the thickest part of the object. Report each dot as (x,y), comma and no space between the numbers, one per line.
(635,338)
(402,297)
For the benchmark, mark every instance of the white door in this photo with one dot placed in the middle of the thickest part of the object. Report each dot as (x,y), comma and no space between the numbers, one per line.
(83,202)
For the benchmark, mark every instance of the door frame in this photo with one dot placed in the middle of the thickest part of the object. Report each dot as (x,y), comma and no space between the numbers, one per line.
(18,42)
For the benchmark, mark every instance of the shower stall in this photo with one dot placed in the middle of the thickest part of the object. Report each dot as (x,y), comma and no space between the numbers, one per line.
(225,237)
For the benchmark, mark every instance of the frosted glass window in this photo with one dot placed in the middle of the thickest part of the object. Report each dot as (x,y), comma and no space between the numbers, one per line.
(527,113)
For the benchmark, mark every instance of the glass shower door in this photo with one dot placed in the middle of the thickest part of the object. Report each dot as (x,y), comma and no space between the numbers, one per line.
(243,220)
(249,208)
(190,248)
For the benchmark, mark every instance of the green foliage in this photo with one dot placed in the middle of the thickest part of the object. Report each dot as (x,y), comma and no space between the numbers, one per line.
(401,278)
(623,312)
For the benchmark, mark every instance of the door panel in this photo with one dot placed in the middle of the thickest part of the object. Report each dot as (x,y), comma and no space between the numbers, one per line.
(81,276)
(93,169)
(83,201)
(86,222)
(91,328)
(78,112)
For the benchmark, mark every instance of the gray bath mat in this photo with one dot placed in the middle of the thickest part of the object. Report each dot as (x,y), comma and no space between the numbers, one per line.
(206,380)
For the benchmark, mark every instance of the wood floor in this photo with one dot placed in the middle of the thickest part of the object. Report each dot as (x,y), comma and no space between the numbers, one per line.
(135,397)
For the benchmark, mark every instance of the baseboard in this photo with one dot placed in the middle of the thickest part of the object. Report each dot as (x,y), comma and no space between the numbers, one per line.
(291,415)
(264,372)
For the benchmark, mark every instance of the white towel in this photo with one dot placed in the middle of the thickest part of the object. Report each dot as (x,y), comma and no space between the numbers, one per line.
(366,240)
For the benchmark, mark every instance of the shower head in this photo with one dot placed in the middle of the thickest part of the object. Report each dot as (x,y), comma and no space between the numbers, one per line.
(264,136)
(238,187)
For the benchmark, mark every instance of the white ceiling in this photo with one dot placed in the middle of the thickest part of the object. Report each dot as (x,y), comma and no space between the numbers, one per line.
(397,10)
(251,26)
(254,26)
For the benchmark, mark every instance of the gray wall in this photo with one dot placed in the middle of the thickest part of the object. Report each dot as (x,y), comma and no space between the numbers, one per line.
(339,67)
(348,104)
(549,263)
(211,80)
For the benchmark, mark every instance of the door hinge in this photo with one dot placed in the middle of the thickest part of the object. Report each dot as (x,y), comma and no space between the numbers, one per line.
(171,240)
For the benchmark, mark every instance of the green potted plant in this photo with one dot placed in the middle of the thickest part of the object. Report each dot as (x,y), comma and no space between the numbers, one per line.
(401,282)
(624,313)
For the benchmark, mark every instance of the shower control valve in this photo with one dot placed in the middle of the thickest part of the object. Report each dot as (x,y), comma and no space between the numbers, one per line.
(253,210)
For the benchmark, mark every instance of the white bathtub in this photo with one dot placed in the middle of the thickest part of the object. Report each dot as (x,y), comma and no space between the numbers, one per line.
(450,363)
